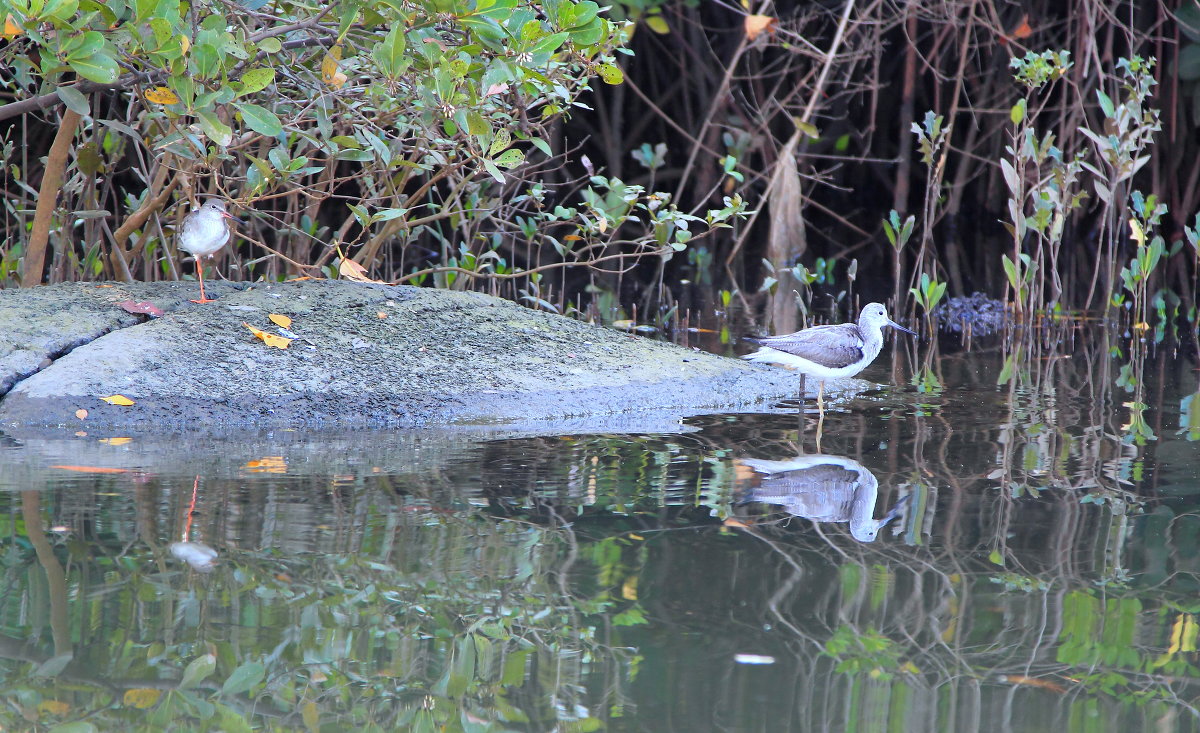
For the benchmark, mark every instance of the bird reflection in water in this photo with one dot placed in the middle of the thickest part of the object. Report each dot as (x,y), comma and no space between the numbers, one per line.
(824,489)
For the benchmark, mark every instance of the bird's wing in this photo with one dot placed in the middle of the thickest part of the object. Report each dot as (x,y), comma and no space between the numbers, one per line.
(835,346)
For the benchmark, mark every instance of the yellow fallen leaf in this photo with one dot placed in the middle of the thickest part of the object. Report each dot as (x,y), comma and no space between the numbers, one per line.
(12,28)
(280,320)
(269,339)
(141,697)
(162,95)
(267,464)
(81,414)
(279,342)
(330,73)
(118,399)
(116,441)
(756,24)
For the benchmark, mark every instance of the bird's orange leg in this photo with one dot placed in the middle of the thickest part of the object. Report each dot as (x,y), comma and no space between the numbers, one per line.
(200,275)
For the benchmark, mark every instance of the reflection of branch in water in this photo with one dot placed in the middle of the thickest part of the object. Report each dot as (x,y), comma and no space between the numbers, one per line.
(56,578)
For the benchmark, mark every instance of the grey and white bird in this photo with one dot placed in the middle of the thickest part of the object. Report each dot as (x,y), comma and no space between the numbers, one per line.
(204,231)
(829,352)
(822,488)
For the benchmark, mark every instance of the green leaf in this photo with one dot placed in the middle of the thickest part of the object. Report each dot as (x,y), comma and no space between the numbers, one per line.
(549,44)
(611,73)
(255,80)
(205,59)
(198,670)
(502,140)
(60,10)
(82,45)
(476,124)
(1017,113)
(75,100)
(260,119)
(101,67)
(270,45)
(1010,270)
(244,678)
(217,131)
(494,171)
(510,158)
(389,53)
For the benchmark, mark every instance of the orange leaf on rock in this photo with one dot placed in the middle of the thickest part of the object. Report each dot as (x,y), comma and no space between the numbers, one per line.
(757,24)
(280,320)
(269,339)
(118,399)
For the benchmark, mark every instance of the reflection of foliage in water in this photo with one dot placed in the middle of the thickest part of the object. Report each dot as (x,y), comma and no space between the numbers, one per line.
(445,623)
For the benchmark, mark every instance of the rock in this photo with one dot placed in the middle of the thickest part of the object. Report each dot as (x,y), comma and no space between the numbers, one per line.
(365,356)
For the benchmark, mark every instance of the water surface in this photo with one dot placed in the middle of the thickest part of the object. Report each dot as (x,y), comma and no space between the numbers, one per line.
(1037,569)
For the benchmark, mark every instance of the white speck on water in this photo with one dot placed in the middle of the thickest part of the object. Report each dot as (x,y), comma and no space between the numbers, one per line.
(753,659)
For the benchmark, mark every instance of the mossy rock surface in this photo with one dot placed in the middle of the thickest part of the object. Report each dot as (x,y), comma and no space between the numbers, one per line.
(367,356)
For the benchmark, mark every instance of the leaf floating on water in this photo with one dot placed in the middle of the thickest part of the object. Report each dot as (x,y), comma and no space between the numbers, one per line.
(280,320)
(141,697)
(91,469)
(118,399)
(269,339)
(267,464)
(116,441)
(81,414)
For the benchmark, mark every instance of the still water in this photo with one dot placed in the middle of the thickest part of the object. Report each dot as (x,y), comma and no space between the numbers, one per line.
(1000,538)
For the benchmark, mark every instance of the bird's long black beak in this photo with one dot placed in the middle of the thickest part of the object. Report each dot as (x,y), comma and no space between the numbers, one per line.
(898,327)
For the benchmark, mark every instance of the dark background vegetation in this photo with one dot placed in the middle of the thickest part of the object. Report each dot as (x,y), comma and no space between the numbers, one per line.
(819,100)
